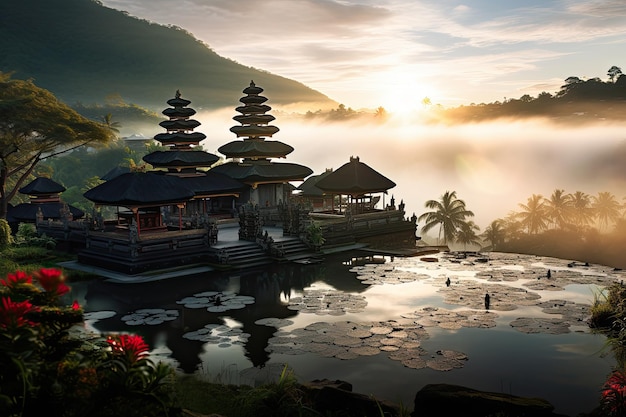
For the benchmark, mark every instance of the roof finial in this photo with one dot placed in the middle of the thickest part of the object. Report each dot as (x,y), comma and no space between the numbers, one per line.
(252,84)
(177,93)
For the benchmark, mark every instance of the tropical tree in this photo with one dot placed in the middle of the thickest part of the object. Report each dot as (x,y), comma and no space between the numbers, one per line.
(614,72)
(559,208)
(114,127)
(533,217)
(606,208)
(449,214)
(36,126)
(494,234)
(513,228)
(467,234)
(583,212)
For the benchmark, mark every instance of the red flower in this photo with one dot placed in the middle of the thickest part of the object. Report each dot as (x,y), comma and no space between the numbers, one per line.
(132,347)
(51,280)
(13,314)
(19,277)
(75,305)
(614,393)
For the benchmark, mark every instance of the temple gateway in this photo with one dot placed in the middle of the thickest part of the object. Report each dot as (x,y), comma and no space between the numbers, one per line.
(182,211)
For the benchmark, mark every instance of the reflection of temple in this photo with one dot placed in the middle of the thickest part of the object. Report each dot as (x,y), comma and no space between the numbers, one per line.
(268,287)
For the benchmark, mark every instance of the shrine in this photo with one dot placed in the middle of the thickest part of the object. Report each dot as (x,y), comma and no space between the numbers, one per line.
(45,204)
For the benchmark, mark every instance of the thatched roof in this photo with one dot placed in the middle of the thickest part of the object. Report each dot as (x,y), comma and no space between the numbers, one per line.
(136,189)
(42,185)
(310,188)
(355,178)
(264,172)
(181,158)
(213,184)
(117,171)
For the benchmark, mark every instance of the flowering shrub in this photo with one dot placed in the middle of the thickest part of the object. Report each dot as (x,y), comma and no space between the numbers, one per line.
(614,395)
(44,367)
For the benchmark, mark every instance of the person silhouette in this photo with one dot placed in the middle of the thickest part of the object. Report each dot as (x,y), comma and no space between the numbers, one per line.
(487,301)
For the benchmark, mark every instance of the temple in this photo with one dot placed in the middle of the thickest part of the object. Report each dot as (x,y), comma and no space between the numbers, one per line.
(45,203)
(171,215)
(251,157)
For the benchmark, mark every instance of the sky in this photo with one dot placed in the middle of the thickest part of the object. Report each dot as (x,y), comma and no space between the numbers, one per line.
(394,53)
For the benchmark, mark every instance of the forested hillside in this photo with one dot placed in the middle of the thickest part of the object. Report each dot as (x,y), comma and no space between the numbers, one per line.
(578,101)
(84,52)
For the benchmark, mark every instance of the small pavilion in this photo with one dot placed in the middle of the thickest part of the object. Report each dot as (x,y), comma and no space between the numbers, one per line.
(45,203)
(358,182)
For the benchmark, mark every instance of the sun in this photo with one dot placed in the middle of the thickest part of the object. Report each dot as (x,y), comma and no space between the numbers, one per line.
(403,94)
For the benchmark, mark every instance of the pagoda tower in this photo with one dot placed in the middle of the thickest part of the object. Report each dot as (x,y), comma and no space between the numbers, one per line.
(183,160)
(251,157)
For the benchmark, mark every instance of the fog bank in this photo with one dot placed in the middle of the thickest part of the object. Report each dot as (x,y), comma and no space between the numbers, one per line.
(492,166)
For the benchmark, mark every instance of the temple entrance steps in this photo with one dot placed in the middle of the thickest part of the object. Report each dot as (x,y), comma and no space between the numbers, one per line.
(244,254)
(240,254)
(292,249)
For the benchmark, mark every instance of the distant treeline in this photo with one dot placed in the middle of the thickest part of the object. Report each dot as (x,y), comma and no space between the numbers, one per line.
(577,226)
(578,100)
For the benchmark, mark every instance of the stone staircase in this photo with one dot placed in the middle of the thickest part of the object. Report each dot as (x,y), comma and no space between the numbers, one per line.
(293,249)
(243,254)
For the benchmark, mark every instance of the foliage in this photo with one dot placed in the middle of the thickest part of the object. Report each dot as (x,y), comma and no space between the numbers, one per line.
(449,213)
(314,235)
(45,367)
(6,238)
(27,236)
(567,226)
(578,100)
(282,398)
(36,126)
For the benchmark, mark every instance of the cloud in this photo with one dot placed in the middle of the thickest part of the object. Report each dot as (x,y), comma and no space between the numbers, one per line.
(474,50)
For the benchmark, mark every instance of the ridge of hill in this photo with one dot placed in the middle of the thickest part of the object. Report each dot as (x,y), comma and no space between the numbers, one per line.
(84,52)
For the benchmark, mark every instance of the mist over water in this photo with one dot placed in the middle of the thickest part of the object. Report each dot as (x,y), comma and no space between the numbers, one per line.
(492,166)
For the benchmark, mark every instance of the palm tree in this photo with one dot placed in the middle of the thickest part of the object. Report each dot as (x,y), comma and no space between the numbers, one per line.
(107,120)
(494,234)
(582,211)
(559,208)
(606,208)
(513,228)
(449,213)
(467,234)
(533,218)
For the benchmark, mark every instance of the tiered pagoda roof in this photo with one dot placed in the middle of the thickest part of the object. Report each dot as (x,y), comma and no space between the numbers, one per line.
(253,154)
(181,139)
(44,197)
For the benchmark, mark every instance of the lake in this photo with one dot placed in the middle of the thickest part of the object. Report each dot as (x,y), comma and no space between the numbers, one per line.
(388,325)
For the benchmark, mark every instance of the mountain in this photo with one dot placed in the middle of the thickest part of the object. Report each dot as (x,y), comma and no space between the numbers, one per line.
(85,52)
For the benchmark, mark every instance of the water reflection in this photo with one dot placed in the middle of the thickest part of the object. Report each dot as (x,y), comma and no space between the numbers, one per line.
(366,319)
(271,289)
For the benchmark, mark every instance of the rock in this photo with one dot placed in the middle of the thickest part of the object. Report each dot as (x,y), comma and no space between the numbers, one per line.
(435,400)
(336,398)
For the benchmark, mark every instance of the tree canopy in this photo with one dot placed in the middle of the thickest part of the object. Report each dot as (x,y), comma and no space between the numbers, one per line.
(449,214)
(35,126)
